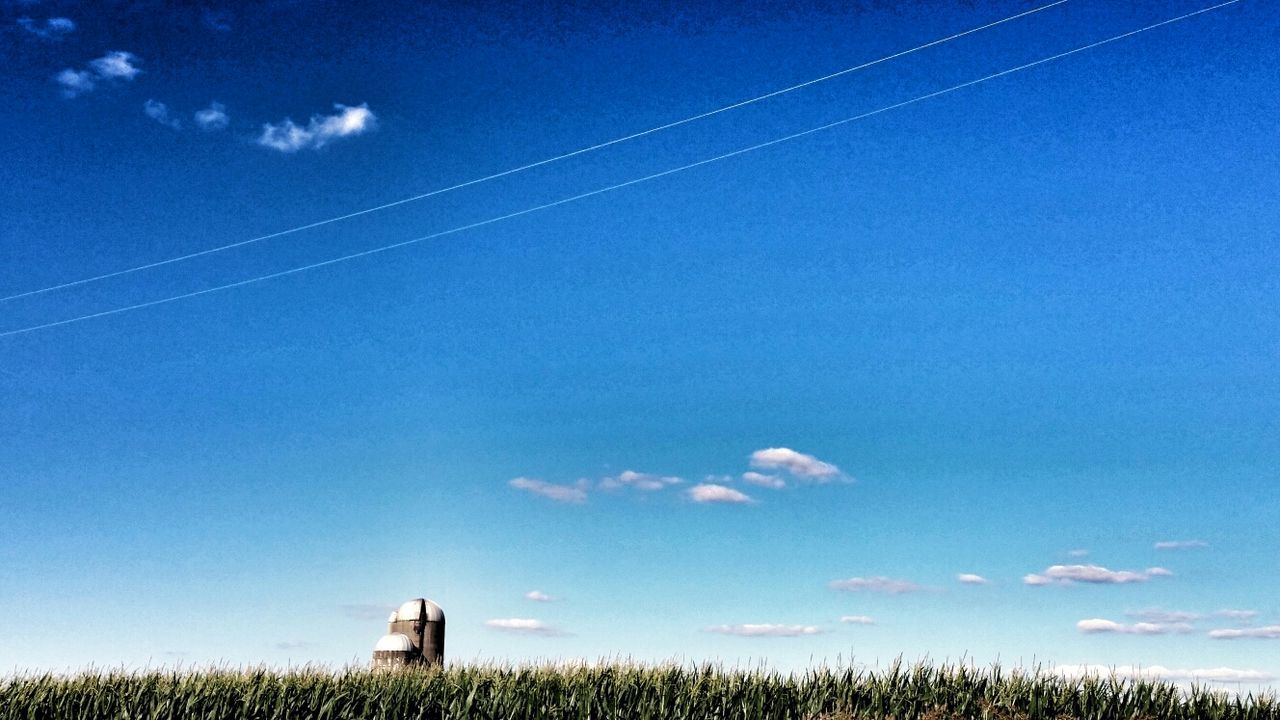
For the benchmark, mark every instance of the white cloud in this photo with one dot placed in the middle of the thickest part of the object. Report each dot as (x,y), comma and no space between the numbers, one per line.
(1098,625)
(1270,632)
(639,481)
(213,117)
(1157,615)
(288,137)
(762,480)
(1240,615)
(1078,553)
(796,463)
(765,630)
(560,493)
(539,596)
(1159,672)
(1092,574)
(367,611)
(1180,544)
(159,112)
(878,584)
(857,619)
(116,64)
(971,579)
(75,82)
(525,626)
(710,493)
(54,28)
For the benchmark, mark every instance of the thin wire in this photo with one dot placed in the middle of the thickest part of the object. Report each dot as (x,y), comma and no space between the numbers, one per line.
(530,166)
(611,188)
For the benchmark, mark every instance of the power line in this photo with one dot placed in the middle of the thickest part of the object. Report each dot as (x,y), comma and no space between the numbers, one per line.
(628,183)
(530,166)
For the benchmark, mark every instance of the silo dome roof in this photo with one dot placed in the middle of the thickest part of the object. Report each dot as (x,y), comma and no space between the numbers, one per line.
(395,642)
(417,608)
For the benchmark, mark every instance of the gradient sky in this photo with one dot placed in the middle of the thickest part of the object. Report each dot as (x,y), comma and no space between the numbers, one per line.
(1024,321)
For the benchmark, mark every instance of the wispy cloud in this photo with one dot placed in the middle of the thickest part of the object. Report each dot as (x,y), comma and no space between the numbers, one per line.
(54,28)
(1092,574)
(1099,625)
(159,112)
(560,493)
(1180,544)
(213,117)
(639,481)
(539,596)
(1270,632)
(1078,553)
(289,137)
(971,579)
(1237,615)
(857,620)
(1158,615)
(115,65)
(797,463)
(525,626)
(762,480)
(366,611)
(711,493)
(1159,672)
(765,630)
(879,583)
(293,645)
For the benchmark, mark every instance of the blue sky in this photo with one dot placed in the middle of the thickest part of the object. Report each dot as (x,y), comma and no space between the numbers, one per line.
(1025,331)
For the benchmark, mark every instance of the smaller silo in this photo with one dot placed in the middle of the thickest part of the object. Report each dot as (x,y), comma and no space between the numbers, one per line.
(393,650)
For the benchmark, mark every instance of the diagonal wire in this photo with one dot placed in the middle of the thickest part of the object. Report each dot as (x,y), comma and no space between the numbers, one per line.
(530,166)
(628,183)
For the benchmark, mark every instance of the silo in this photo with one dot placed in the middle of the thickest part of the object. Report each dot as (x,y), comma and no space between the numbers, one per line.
(422,622)
(393,650)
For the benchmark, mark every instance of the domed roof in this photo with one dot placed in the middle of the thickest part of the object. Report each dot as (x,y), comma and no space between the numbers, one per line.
(395,642)
(419,609)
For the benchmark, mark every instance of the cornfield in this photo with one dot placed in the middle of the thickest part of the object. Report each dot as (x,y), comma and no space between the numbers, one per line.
(614,691)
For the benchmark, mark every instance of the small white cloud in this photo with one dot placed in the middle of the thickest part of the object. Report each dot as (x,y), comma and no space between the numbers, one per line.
(539,596)
(1237,615)
(762,480)
(116,64)
(525,626)
(971,579)
(159,112)
(1180,544)
(1159,672)
(639,481)
(54,28)
(765,630)
(212,118)
(560,493)
(293,645)
(710,493)
(1270,632)
(1099,625)
(1092,574)
(879,583)
(1157,615)
(797,463)
(857,619)
(366,611)
(289,137)
(1078,553)
(74,82)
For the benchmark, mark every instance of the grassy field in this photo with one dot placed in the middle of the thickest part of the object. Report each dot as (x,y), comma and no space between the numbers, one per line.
(612,691)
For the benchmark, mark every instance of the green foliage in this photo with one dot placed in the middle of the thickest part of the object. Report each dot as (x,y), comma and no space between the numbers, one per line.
(615,691)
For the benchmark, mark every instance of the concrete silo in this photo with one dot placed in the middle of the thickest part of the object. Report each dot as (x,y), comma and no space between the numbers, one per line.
(415,635)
